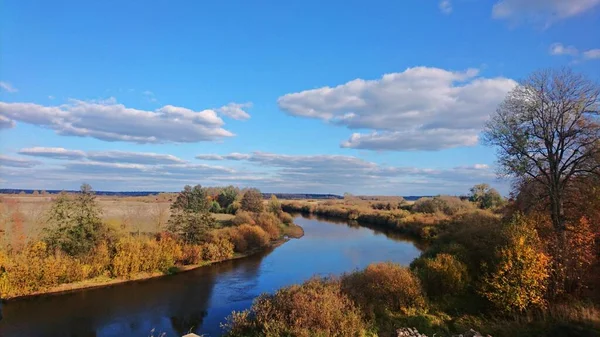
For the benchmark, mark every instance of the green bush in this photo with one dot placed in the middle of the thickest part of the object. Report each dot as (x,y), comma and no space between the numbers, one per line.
(442,275)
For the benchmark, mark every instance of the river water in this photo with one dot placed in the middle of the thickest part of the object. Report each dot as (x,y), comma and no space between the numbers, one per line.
(199,300)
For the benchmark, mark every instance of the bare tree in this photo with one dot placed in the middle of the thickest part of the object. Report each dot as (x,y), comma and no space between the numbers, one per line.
(548,130)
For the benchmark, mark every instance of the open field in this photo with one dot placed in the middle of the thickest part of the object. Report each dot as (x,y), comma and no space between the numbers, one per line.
(135,214)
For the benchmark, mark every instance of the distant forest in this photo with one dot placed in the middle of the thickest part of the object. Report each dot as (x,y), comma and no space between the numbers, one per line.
(146,193)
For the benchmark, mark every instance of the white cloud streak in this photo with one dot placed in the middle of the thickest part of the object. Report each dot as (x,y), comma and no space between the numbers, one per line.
(10,161)
(269,171)
(118,157)
(5,86)
(544,12)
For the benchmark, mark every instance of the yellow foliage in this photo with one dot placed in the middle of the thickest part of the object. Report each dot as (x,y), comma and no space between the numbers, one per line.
(384,286)
(316,308)
(519,278)
(219,250)
(442,275)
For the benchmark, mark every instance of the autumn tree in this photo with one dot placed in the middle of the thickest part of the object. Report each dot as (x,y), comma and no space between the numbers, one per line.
(547,130)
(274,205)
(252,201)
(191,199)
(227,196)
(77,224)
(190,218)
(518,280)
(485,196)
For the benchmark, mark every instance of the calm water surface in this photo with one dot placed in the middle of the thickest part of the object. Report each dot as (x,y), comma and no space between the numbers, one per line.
(199,300)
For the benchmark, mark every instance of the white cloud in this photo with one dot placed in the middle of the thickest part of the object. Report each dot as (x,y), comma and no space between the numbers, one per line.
(560,49)
(17,162)
(540,11)
(591,54)
(231,156)
(235,110)
(418,140)
(50,97)
(119,157)
(405,105)
(269,171)
(445,6)
(53,152)
(6,123)
(7,87)
(110,121)
(133,157)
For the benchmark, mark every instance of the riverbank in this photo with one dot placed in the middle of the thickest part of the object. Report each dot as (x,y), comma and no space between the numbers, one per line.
(422,226)
(106,281)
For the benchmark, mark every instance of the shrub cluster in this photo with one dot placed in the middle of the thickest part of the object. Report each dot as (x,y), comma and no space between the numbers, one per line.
(330,306)
(80,246)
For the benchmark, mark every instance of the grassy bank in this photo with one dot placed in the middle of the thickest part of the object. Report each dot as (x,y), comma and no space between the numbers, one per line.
(485,270)
(106,280)
(424,226)
(78,248)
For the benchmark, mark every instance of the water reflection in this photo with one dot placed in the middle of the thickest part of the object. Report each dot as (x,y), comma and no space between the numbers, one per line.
(197,301)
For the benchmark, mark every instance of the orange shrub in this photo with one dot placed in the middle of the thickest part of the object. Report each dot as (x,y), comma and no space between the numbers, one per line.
(242,217)
(192,254)
(384,286)
(219,250)
(442,275)
(318,307)
(254,236)
(270,224)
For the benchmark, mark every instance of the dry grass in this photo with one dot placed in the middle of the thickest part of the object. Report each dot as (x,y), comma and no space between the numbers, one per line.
(134,214)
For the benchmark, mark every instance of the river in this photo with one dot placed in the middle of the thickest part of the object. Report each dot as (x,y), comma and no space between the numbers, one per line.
(197,301)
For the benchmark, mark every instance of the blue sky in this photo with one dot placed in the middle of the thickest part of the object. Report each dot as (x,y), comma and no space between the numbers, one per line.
(368,97)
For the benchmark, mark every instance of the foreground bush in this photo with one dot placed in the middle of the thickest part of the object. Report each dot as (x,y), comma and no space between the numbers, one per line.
(384,286)
(518,280)
(442,275)
(219,250)
(270,224)
(316,308)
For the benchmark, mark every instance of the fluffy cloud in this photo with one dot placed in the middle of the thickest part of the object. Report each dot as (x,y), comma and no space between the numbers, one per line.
(540,11)
(235,110)
(17,162)
(560,49)
(445,6)
(110,121)
(5,86)
(403,105)
(52,152)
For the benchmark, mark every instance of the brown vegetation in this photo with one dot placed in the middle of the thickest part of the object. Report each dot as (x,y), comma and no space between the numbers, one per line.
(77,244)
